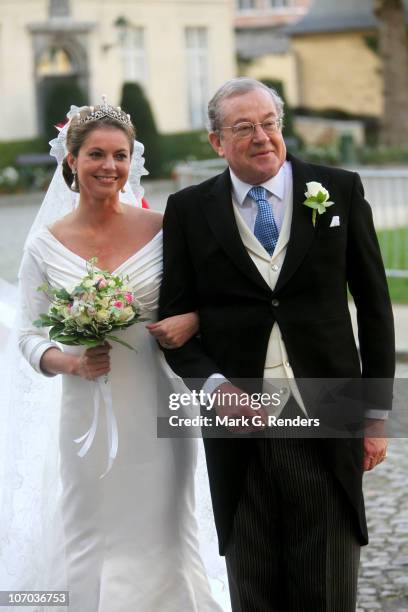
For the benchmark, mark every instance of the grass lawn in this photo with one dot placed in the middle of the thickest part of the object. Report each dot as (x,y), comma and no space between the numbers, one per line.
(394,248)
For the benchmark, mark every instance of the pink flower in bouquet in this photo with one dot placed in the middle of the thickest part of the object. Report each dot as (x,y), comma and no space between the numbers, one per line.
(129,298)
(118,304)
(103,283)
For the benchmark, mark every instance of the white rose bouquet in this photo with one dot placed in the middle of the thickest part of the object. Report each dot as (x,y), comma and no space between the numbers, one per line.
(100,304)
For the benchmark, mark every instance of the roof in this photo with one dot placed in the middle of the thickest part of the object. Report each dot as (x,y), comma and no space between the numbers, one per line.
(337,16)
(255,42)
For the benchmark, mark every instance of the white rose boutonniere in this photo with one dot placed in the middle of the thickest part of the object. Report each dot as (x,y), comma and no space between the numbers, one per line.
(317,198)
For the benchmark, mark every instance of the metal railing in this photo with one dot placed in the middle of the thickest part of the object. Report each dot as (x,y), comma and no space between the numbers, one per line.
(385,189)
(387,192)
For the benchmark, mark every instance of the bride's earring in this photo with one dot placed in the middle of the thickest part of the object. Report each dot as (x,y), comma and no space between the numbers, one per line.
(74,185)
(123,190)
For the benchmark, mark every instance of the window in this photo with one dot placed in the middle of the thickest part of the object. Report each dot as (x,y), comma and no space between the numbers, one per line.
(59,8)
(279,3)
(197,75)
(245,5)
(133,55)
(54,61)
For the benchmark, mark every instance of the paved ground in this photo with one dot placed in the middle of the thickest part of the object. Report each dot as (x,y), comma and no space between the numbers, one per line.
(384,569)
(383,581)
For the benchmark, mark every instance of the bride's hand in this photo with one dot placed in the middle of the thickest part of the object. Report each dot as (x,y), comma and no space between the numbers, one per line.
(94,362)
(173,332)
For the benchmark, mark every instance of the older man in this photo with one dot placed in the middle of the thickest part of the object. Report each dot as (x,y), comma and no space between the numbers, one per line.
(269,278)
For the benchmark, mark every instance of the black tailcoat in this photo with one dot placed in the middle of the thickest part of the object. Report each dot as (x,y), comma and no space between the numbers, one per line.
(207,268)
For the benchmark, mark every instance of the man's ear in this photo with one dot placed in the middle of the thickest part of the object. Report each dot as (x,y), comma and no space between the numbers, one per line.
(215,142)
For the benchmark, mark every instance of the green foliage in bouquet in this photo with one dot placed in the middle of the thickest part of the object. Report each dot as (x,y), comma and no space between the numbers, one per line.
(100,304)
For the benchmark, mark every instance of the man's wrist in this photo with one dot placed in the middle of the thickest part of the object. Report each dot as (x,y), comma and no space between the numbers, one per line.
(374,428)
(213,382)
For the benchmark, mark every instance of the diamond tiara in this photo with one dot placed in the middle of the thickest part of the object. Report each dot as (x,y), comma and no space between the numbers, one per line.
(105,110)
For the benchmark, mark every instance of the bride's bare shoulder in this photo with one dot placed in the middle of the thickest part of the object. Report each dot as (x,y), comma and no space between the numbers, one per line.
(149,218)
(60,227)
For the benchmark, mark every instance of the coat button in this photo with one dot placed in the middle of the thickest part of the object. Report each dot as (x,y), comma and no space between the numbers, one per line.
(275,302)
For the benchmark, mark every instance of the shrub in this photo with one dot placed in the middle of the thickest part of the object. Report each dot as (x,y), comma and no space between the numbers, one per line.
(56,104)
(330,155)
(278,86)
(9,151)
(184,146)
(9,180)
(134,102)
(384,155)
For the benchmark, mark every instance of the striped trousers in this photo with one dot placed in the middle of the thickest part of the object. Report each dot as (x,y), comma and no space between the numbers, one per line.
(293,546)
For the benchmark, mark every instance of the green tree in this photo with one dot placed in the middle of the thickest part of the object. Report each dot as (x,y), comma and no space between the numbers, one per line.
(393,48)
(280,90)
(59,94)
(135,103)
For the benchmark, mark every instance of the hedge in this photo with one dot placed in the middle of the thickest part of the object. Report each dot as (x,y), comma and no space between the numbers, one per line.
(9,151)
(135,102)
(55,105)
(184,146)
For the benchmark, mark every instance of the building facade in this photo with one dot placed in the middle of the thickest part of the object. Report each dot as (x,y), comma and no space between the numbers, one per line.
(263,46)
(180,51)
(325,52)
(338,63)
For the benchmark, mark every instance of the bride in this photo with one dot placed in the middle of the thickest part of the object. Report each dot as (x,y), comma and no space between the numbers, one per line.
(127,541)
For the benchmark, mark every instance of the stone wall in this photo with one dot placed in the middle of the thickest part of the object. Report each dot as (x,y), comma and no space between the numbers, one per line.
(338,70)
(164,23)
(280,67)
(18,116)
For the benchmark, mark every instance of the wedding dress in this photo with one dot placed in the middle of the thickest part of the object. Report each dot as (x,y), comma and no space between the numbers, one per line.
(126,542)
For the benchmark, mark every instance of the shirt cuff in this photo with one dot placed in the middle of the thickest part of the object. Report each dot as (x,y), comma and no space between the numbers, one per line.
(214,381)
(381,415)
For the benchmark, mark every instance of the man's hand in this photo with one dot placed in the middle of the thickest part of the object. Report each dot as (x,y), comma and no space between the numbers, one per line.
(234,403)
(375,443)
(174,331)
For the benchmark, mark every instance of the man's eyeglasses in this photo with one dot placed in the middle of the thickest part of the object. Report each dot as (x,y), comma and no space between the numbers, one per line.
(246,129)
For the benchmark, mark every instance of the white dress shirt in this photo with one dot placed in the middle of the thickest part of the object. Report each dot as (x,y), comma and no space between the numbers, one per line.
(279,188)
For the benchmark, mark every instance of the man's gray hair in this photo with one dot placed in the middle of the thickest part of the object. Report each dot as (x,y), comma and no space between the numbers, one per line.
(238,87)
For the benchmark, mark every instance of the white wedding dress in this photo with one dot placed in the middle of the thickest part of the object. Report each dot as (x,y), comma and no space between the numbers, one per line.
(126,542)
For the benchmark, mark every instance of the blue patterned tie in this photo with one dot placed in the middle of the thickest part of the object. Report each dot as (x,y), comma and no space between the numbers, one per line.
(265,226)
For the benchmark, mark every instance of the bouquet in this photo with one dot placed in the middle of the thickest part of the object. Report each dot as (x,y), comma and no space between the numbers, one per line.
(100,304)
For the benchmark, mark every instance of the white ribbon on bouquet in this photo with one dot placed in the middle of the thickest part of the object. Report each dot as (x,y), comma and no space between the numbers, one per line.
(102,393)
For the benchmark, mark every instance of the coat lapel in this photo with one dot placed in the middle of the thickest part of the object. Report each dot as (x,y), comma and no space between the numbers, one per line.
(302,230)
(217,206)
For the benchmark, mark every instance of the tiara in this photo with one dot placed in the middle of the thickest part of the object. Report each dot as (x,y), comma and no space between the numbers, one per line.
(105,110)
